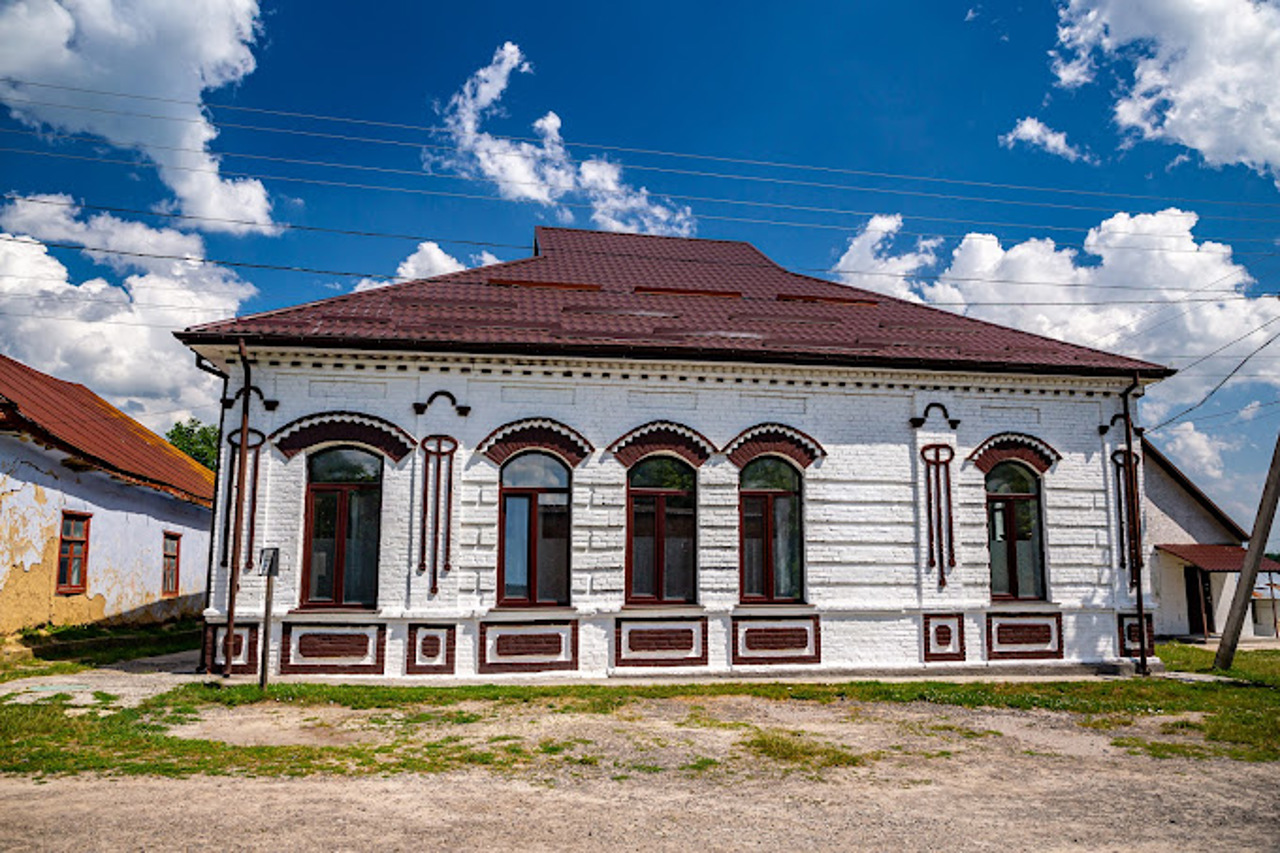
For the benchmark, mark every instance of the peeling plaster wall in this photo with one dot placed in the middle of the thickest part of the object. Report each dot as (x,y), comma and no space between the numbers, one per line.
(125,543)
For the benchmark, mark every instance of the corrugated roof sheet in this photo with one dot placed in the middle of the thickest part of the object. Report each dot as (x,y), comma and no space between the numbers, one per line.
(91,429)
(1216,558)
(597,293)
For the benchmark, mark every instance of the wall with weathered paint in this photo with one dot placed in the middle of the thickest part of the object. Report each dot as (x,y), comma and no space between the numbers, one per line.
(866,570)
(1171,516)
(125,543)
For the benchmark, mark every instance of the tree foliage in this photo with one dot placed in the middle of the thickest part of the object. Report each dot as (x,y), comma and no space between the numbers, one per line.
(197,440)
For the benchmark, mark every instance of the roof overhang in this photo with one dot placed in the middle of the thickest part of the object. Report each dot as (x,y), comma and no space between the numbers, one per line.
(604,349)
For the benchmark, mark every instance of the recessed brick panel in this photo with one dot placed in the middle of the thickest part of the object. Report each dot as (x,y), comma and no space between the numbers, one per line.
(1024,635)
(776,639)
(242,663)
(661,640)
(323,642)
(1129,639)
(314,645)
(943,637)
(782,640)
(529,645)
(431,650)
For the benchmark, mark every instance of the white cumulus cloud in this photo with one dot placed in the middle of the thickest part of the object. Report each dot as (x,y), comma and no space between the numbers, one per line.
(116,337)
(542,172)
(1035,133)
(1204,72)
(867,262)
(1113,295)
(155,48)
(1197,451)
(427,260)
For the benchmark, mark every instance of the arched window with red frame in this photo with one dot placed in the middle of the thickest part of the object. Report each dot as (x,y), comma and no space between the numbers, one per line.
(662,534)
(533,528)
(344,526)
(1014,532)
(772,524)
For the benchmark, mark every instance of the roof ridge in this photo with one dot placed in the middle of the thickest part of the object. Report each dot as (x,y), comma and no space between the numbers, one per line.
(636,235)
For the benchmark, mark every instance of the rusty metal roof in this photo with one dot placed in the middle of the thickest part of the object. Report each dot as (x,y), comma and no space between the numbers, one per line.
(1216,558)
(593,293)
(95,433)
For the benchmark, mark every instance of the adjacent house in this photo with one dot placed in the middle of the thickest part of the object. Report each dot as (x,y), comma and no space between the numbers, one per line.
(1196,553)
(100,518)
(636,455)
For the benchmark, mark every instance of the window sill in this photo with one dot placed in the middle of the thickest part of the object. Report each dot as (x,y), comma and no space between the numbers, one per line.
(332,608)
(1023,604)
(540,613)
(80,591)
(781,608)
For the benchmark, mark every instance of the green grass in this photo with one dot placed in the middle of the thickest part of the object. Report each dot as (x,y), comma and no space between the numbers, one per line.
(798,749)
(64,649)
(1235,719)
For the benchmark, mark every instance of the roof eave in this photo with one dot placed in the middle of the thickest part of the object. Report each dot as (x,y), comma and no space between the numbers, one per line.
(191,338)
(48,439)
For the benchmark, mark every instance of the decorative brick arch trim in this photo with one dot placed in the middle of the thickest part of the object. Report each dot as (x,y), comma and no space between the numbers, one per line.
(1014,445)
(776,439)
(535,433)
(662,436)
(353,427)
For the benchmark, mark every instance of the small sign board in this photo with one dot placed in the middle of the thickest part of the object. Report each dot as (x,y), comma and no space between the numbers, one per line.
(269,562)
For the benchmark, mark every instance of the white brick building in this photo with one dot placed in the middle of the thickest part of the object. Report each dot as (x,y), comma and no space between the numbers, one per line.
(654,455)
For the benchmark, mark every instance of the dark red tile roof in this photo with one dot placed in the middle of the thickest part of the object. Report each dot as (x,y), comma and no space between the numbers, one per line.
(79,422)
(627,295)
(1216,558)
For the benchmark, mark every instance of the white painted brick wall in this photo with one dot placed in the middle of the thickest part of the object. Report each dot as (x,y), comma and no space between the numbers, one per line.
(866,570)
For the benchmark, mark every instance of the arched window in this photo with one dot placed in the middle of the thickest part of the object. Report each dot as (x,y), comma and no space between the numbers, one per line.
(772,532)
(1014,532)
(344,522)
(533,548)
(662,539)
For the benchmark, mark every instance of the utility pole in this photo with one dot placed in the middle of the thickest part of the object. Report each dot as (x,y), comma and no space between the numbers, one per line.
(1252,559)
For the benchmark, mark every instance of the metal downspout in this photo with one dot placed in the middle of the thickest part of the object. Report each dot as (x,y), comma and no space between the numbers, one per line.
(208,367)
(237,540)
(1135,521)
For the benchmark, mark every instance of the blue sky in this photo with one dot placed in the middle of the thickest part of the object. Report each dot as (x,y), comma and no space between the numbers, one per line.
(1156,126)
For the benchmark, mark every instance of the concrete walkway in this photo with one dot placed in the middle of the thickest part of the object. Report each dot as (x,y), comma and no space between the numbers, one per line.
(131,681)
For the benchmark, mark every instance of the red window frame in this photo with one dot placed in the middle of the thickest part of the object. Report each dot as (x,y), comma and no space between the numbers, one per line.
(659,541)
(769,496)
(1009,516)
(169,572)
(343,490)
(532,556)
(66,550)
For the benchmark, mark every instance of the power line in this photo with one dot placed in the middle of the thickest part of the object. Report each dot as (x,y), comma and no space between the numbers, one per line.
(635,150)
(1217,387)
(520,153)
(154,164)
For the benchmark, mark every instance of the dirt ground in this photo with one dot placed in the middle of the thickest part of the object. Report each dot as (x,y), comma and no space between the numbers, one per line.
(675,774)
